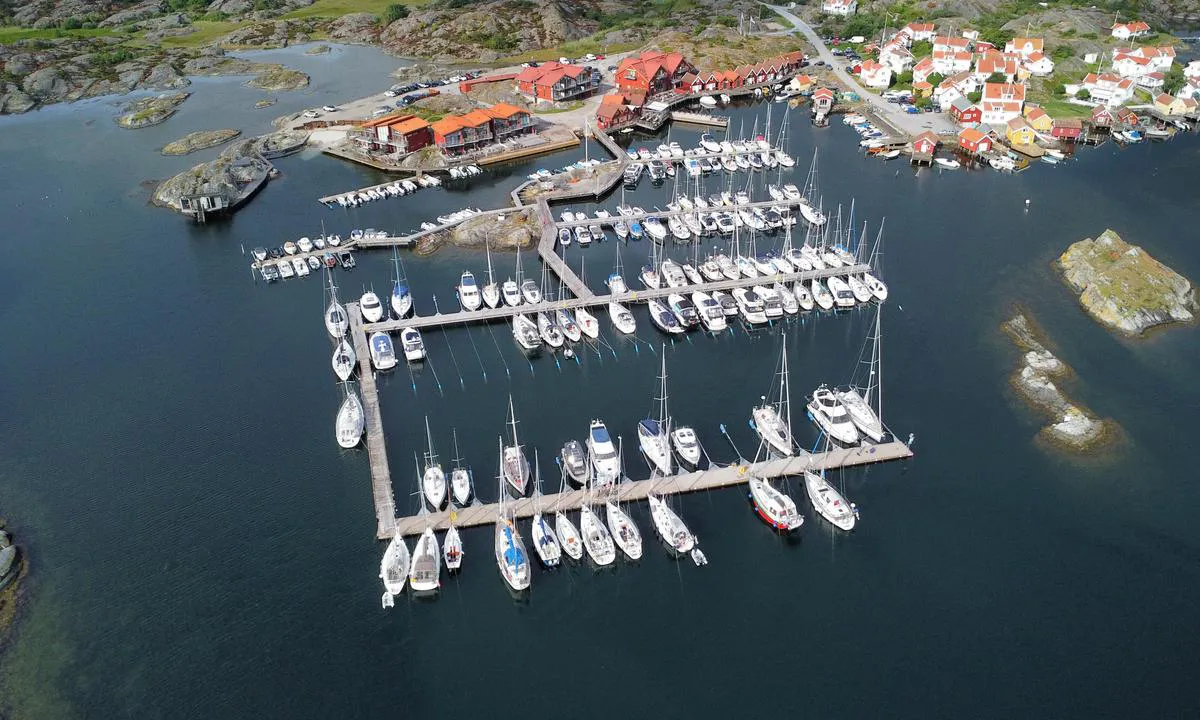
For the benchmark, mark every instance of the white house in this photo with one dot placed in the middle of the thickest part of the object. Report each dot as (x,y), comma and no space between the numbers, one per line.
(896,57)
(1001,102)
(1147,59)
(950,43)
(919,32)
(1191,89)
(1124,31)
(1038,64)
(874,75)
(955,86)
(1025,46)
(1108,88)
(1131,66)
(951,62)
(994,62)
(922,70)
(1151,81)
(839,7)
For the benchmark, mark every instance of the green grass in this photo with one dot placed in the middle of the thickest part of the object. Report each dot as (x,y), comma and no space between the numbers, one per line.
(11,33)
(551,111)
(572,50)
(337,8)
(1064,109)
(206,32)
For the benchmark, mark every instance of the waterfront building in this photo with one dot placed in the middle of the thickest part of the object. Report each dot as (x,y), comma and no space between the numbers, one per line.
(653,72)
(965,112)
(839,7)
(394,134)
(1125,31)
(459,134)
(1067,129)
(1001,102)
(1170,105)
(1019,132)
(555,82)
(923,147)
(822,100)
(974,141)
(1038,119)
(615,109)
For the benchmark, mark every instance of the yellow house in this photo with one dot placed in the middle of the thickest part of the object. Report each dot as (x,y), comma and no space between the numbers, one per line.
(922,89)
(1038,119)
(1170,105)
(1019,132)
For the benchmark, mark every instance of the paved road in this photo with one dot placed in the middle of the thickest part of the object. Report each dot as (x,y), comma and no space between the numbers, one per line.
(911,124)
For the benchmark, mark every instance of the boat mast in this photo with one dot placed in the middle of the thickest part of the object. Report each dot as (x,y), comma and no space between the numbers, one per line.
(513,419)
(787,398)
(487,246)
(500,481)
(877,366)
(429,457)
(457,459)
(662,398)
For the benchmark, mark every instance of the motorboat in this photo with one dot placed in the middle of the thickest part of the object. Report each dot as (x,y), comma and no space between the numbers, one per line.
(511,293)
(313,263)
(655,229)
(686,446)
(710,270)
(624,532)
(596,538)
(603,454)
(574,463)
(621,318)
(452,549)
(672,274)
(393,569)
(424,576)
(750,306)
(821,295)
(587,323)
(344,359)
(773,506)
(551,333)
(678,228)
(531,292)
(709,143)
(670,527)
(525,331)
(663,318)
(803,296)
(772,304)
(831,416)
(468,292)
(947,163)
(289,247)
(371,308)
(514,466)
(412,344)
(1005,163)
(710,311)
(842,296)
(567,324)
(350,420)
(383,353)
(728,305)
(684,310)
(829,503)
(300,266)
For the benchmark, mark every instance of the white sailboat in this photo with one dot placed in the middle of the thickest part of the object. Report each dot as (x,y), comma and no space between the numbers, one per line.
(616,281)
(350,419)
(828,502)
(568,535)
(879,291)
(401,299)
(773,506)
(525,331)
(425,574)
(460,478)
(344,359)
(654,433)
(514,466)
(433,479)
(596,538)
(621,318)
(491,291)
(452,548)
(670,526)
(511,557)
(772,420)
(545,542)
(393,569)
(624,533)
(336,321)
(857,399)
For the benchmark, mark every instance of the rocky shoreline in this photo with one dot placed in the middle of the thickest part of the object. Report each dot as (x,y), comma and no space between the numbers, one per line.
(1123,288)
(517,229)
(150,111)
(1072,426)
(13,569)
(236,174)
(200,140)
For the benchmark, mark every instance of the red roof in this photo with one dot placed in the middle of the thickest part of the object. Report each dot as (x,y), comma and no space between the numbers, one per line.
(503,111)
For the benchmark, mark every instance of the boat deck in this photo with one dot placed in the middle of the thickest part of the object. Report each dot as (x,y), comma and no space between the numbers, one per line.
(717,477)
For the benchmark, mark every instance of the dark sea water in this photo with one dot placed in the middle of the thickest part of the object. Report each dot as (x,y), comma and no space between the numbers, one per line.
(201,548)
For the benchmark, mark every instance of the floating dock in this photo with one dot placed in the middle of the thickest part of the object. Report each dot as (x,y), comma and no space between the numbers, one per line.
(713,478)
(381,474)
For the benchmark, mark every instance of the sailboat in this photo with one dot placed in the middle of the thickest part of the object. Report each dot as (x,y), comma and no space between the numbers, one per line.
(654,433)
(424,576)
(624,532)
(491,291)
(772,421)
(545,542)
(514,466)
(460,478)
(811,214)
(452,548)
(879,291)
(828,502)
(616,281)
(670,526)
(393,569)
(621,318)
(511,289)
(401,300)
(350,419)
(344,359)
(511,557)
(649,275)
(336,321)
(858,400)
(568,535)
(596,538)
(433,480)
(773,506)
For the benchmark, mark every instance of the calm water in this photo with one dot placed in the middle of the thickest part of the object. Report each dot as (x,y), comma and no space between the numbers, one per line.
(202,549)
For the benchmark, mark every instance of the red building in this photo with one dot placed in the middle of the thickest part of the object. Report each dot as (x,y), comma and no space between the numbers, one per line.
(615,109)
(965,112)
(1101,117)
(509,120)
(974,141)
(1067,129)
(925,143)
(395,134)
(458,134)
(653,72)
(822,99)
(556,82)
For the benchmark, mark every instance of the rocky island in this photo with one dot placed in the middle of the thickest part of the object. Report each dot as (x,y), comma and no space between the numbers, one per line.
(200,140)
(12,570)
(512,230)
(150,111)
(1073,427)
(278,78)
(236,174)
(1123,287)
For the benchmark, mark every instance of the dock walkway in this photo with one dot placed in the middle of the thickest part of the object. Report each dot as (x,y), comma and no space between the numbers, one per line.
(716,477)
(764,204)
(381,475)
(546,250)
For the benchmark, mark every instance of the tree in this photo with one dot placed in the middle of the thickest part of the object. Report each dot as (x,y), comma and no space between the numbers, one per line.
(1174,79)
(1083,94)
(395,12)
(1063,52)
(975,96)
(935,79)
(997,77)
(904,78)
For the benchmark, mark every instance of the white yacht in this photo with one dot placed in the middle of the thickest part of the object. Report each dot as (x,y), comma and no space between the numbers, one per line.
(491,290)
(728,305)
(413,345)
(830,415)
(393,569)
(401,298)
(545,542)
(575,463)
(336,321)
(750,306)
(773,506)
(525,331)
(344,359)
(828,502)
(568,535)
(568,325)
(551,333)
(842,296)
(860,402)
(878,290)
(514,466)
(425,573)
(791,305)
(603,454)
(468,292)
(371,308)
(460,479)
(821,295)
(510,555)
(350,420)
(662,317)
(687,446)
(452,549)
(511,293)
(654,433)
(433,478)
(670,527)
(621,318)
(383,353)
(772,420)
(531,292)
(803,296)
(587,323)
(596,538)
(711,313)
(624,532)
(772,305)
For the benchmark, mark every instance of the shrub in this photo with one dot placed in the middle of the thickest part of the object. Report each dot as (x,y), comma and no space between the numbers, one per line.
(1083,94)
(395,12)
(1062,52)
(975,96)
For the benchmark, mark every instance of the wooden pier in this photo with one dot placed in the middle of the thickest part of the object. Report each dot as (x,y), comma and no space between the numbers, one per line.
(381,475)
(713,478)
(546,250)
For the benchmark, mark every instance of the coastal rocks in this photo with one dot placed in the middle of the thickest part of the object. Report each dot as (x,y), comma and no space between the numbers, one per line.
(262,35)
(318,50)
(355,28)
(164,76)
(201,140)
(278,78)
(516,229)
(490,29)
(13,100)
(234,175)
(48,82)
(1072,426)
(264,103)
(142,11)
(1123,287)
(150,111)
(12,569)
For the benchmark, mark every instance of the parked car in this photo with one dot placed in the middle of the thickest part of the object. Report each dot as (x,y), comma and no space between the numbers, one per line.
(311,114)
(611,68)
(330,108)
(381,110)
(389,93)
